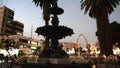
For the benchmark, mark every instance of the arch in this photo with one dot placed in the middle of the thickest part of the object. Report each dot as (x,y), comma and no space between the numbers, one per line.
(83,37)
(87,45)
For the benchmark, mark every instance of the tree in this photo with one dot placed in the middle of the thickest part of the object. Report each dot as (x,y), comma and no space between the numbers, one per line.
(100,10)
(7,44)
(45,4)
(115,28)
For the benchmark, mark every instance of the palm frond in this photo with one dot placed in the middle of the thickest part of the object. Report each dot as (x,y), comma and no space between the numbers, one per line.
(97,7)
(42,2)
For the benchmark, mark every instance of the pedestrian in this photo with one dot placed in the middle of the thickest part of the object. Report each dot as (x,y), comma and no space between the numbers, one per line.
(10,65)
(118,60)
(6,58)
(73,62)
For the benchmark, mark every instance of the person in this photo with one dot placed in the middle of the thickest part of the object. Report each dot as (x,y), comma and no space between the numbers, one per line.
(25,61)
(118,60)
(73,62)
(10,65)
(48,62)
(6,58)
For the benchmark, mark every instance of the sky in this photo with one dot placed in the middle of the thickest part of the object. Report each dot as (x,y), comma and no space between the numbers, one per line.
(73,17)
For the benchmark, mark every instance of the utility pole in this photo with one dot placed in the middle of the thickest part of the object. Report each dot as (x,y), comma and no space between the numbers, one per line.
(31,33)
(31,30)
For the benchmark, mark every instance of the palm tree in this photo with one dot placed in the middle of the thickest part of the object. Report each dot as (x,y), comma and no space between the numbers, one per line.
(100,10)
(45,5)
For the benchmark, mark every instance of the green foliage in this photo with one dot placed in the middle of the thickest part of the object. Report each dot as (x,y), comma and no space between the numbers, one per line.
(8,43)
(99,7)
(42,2)
(115,28)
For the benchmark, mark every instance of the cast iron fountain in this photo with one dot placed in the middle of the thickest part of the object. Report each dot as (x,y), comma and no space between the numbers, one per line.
(54,33)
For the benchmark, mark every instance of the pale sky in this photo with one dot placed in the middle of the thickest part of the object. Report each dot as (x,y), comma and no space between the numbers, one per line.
(73,17)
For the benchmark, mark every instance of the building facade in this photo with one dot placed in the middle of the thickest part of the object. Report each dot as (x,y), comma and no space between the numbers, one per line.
(25,44)
(7,24)
(17,28)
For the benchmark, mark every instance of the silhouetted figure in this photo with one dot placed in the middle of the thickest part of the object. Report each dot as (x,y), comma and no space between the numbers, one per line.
(48,62)
(10,65)
(118,60)
(6,59)
(73,62)
(25,61)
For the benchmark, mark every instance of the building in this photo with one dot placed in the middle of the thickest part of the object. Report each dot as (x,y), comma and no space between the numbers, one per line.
(7,24)
(25,44)
(18,28)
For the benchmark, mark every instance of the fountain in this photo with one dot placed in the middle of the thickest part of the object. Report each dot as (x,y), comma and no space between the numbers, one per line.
(53,56)
(54,32)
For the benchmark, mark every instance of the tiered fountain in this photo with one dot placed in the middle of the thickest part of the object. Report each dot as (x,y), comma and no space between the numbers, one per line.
(54,32)
(53,56)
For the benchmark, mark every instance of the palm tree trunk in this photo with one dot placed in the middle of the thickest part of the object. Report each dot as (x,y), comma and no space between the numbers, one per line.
(46,14)
(104,35)
(46,17)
